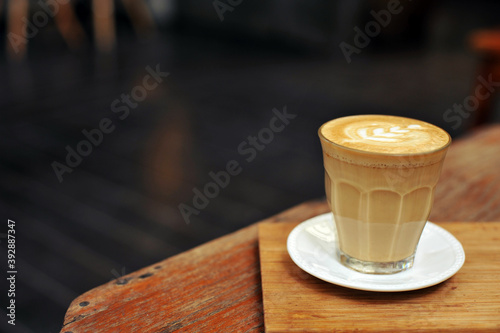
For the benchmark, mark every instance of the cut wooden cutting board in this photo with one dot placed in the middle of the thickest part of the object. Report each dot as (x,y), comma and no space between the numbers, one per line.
(295,301)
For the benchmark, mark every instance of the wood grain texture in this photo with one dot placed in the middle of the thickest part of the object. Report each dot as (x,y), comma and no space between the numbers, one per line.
(212,288)
(216,287)
(469,186)
(295,301)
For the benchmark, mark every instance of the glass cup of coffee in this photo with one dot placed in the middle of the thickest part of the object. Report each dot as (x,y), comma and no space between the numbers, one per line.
(380,176)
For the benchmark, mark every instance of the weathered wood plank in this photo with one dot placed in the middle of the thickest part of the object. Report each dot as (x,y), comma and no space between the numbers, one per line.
(207,289)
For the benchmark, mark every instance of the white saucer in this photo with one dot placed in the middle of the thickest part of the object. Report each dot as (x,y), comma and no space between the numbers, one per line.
(312,246)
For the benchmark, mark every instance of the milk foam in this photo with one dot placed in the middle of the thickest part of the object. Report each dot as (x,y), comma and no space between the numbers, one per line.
(385,134)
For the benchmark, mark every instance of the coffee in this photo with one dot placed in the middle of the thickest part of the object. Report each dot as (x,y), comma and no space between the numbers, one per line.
(380,177)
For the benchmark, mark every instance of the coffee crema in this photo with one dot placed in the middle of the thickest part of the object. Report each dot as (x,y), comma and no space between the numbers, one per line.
(385,134)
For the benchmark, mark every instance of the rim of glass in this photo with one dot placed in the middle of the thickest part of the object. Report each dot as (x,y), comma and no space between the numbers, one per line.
(322,137)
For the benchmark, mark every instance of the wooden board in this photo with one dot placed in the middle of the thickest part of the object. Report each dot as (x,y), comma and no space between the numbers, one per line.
(295,301)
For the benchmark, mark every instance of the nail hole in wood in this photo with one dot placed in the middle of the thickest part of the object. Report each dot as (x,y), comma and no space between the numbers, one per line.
(84,303)
(143,276)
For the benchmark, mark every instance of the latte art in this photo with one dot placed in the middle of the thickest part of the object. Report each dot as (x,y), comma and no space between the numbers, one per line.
(385,134)
(388,133)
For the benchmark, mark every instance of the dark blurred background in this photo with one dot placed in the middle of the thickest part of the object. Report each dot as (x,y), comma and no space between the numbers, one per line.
(229,64)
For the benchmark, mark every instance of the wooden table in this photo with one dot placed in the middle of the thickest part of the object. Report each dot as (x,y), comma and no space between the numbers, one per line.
(216,287)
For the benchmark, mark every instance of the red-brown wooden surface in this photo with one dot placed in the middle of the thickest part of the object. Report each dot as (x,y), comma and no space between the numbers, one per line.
(216,287)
